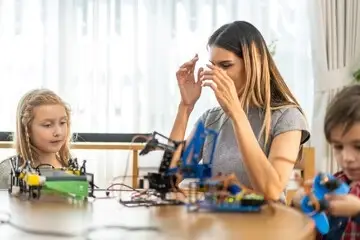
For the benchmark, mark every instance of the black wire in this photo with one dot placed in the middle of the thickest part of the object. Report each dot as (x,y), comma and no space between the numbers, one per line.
(144,202)
(122,185)
(128,158)
(85,233)
(126,167)
(37,168)
(149,203)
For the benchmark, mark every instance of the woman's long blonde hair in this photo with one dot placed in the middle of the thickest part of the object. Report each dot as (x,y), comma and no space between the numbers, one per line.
(24,117)
(264,87)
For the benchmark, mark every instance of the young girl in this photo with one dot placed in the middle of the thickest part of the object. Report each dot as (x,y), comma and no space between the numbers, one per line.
(42,132)
(259,121)
(342,131)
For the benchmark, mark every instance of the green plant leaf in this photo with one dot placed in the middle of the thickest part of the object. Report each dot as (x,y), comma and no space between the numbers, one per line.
(272,47)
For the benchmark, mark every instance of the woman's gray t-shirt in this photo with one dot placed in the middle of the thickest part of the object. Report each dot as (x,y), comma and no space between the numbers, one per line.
(227,157)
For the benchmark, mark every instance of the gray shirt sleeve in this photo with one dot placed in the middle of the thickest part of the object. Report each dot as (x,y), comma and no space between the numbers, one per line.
(291,119)
(5,169)
(202,118)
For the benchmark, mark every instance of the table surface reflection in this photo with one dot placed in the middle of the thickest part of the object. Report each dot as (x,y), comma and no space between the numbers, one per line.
(174,222)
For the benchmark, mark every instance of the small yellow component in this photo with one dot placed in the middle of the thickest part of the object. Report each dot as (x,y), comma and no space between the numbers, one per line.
(73,172)
(33,179)
(240,195)
(21,175)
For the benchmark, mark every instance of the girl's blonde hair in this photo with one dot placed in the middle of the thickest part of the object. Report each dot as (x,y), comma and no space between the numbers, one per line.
(24,117)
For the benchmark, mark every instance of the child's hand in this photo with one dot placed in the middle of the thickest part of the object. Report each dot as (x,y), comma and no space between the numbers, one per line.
(343,205)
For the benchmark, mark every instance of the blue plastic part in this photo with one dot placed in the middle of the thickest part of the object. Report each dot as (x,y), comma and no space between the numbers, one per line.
(319,191)
(321,222)
(235,207)
(234,189)
(228,207)
(190,167)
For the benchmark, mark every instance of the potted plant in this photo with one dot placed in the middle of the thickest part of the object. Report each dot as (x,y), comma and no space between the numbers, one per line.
(356,76)
(272,47)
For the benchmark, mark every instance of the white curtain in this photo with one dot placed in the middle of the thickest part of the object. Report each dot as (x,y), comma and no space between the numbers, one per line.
(335,35)
(114,61)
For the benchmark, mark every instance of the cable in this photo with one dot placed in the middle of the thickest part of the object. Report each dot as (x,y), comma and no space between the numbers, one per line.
(109,189)
(146,138)
(84,233)
(144,201)
(143,195)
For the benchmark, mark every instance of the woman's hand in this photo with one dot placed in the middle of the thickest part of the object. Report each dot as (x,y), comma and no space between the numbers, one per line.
(343,205)
(223,87)
(190,90)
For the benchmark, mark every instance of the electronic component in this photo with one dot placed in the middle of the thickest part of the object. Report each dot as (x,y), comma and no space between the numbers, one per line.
(71,181)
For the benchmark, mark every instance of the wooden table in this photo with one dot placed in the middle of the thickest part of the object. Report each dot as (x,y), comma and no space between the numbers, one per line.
(174,222)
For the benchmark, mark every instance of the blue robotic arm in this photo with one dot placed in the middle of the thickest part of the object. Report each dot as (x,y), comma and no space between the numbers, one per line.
(189,166)
(222,192)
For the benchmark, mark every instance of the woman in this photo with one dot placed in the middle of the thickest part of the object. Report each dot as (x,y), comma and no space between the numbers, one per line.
(259,121)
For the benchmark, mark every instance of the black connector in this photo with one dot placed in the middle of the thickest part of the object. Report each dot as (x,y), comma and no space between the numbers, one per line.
(141,183)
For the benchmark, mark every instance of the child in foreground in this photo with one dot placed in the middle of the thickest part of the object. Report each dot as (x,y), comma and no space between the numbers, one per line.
(42,133)
(342,131)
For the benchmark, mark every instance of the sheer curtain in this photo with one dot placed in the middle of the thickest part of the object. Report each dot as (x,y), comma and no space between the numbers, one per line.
(114,61)
(335,32)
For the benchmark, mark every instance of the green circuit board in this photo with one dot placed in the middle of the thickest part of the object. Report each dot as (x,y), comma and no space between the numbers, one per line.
(63,183)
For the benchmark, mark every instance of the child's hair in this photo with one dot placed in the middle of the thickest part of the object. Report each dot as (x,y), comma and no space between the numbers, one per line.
(344,110)
(24,118)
